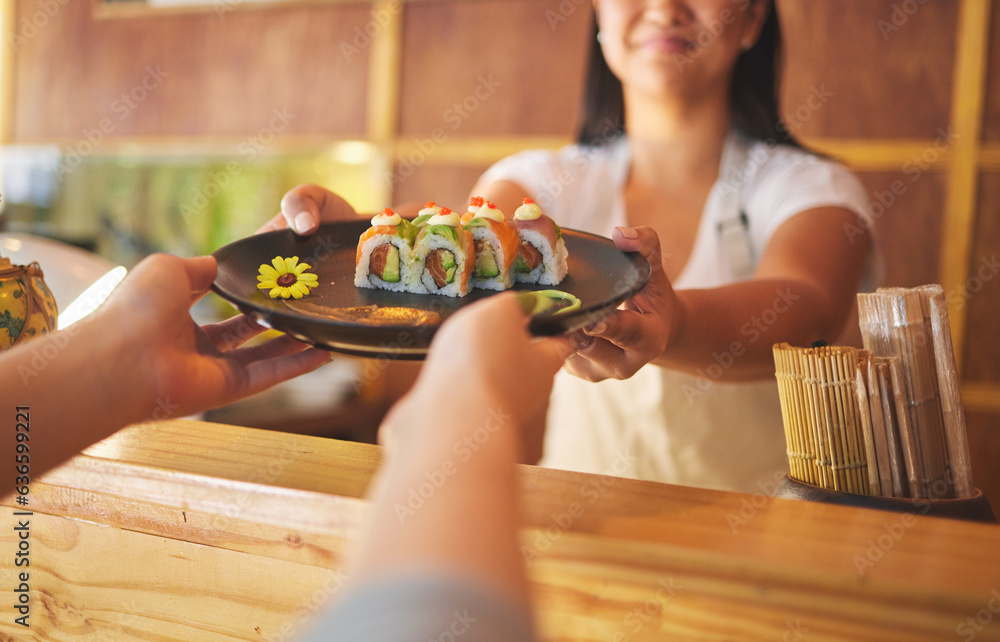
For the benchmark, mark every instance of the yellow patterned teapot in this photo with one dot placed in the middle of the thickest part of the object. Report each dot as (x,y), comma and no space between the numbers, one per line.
(27,307)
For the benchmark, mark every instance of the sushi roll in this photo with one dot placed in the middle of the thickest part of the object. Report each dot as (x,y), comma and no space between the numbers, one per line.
(443,256)
(496,245)
(383,259)
(542,257)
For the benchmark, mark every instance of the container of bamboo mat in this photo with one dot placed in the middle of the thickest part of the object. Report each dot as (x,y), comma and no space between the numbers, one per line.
(884,426)
(974,509)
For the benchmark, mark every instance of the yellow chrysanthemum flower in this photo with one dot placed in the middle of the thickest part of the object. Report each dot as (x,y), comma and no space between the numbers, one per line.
(287,278)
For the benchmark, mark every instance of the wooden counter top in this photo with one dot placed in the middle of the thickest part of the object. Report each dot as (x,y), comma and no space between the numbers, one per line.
(220,533)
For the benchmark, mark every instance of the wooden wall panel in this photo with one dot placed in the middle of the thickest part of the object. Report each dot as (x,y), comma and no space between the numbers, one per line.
(991,114)
(984,446)
(448,185)
(908,231)
(536,62)
(224,76)
(981,294)
(892,86)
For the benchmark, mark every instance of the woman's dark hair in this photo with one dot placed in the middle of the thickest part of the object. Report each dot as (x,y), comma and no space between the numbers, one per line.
(603,99)
(753,92)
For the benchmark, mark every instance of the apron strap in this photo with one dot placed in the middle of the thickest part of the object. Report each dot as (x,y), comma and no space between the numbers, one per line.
(732,223)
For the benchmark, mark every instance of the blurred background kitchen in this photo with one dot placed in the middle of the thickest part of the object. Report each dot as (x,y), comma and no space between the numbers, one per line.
(137,126)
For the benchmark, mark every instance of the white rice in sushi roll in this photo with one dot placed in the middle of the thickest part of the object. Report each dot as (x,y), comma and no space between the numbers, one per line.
(458,242)
(504,279)
(555,263)
(406,283)
(421,278)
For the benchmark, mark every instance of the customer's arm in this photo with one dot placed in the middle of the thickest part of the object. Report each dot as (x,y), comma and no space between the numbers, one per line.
(483,379)
(440,554)
(140,356)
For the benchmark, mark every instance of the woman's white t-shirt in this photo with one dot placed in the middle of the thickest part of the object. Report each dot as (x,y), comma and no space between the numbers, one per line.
(660,424)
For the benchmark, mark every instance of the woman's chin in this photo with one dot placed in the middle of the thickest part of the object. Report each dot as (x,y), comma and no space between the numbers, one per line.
(665,80)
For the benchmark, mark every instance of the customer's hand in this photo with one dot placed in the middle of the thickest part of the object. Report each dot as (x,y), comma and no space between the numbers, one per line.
(183,368)
(616,346)
(304,207)
(482,358)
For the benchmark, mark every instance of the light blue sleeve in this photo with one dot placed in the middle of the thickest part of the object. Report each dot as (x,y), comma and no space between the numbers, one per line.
(793,182)
(536,171)
(418,607)
(577,186)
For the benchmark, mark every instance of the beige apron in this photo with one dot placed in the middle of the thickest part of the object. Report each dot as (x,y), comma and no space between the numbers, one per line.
(667,426)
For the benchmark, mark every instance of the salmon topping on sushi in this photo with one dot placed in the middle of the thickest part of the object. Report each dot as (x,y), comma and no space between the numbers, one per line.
(441,266)
(384,263)
(528,258)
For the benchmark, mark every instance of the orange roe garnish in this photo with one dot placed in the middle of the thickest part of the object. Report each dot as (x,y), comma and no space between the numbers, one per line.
(429,204)
(490,205)
(527,201)
(444,211)
(388,212)
(476,201)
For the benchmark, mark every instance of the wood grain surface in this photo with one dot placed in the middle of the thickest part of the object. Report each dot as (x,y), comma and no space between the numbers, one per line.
(193,531)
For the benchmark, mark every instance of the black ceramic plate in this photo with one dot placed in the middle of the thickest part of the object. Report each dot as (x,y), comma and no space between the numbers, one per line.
(600,275)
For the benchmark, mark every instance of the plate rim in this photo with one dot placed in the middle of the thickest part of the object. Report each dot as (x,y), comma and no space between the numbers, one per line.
(262,314)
